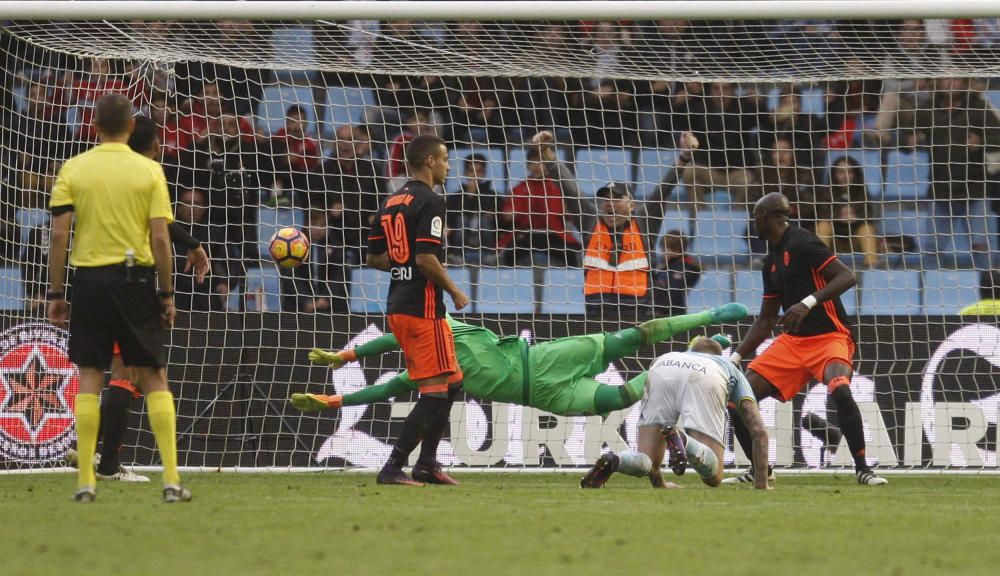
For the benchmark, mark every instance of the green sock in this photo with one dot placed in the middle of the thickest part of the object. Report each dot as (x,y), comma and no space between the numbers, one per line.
(661,329)
(622,343)
(610,398)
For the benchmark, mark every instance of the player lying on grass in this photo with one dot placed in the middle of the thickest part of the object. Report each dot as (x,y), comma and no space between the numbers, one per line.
(560,372)
(693,386)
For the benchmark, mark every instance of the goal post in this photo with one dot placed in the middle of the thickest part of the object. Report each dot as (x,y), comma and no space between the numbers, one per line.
(883,130)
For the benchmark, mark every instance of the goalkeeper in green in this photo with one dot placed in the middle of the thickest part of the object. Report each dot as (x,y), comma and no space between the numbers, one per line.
(555,376)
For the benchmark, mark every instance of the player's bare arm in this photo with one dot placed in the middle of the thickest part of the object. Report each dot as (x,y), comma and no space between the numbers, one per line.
(164,258)
(750,415)
(58,245)
(761,328)
(431,267)
(379,261)
(839,279)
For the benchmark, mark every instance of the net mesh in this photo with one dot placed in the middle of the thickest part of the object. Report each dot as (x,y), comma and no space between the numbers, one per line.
(884,136)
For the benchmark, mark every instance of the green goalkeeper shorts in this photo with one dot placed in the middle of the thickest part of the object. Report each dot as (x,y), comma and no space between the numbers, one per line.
(562,373)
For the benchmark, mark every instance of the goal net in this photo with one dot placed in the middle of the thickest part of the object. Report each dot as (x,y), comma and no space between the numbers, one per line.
(884,135)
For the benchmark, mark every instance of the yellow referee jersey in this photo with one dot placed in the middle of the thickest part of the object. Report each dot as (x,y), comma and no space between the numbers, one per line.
(114,193)
(982,308)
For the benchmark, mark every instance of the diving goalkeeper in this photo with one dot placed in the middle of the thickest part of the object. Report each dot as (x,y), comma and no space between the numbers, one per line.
(555,376)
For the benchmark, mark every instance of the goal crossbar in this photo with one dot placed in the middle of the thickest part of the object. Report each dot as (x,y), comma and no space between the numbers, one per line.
(502,10)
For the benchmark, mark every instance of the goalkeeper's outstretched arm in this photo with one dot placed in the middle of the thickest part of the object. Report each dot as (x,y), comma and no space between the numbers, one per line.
(376,347)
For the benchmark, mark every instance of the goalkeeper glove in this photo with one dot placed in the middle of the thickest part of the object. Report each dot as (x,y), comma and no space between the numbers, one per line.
(333,359)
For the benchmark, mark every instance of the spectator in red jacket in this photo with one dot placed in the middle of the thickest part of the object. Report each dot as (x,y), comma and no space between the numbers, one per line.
(418,121)
(542,211)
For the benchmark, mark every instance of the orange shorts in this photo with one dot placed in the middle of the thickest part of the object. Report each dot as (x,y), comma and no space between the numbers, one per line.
(429,349)
(790,362)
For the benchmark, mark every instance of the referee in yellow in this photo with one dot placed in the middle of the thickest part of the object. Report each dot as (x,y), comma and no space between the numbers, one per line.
(116,202)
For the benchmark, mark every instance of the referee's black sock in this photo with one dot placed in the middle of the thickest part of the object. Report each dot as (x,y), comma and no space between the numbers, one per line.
(115,407)
(851,424)
(416,427)
(429,446)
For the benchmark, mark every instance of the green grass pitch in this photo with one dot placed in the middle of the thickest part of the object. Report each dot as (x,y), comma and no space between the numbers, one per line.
(335,523)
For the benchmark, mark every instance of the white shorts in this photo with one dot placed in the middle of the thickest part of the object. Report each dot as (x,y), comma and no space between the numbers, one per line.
(693,400)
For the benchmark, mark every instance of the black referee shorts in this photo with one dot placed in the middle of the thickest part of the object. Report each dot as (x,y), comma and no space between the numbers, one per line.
(108,307)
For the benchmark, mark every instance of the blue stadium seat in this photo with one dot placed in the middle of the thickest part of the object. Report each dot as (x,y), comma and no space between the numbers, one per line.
(890,292)
(596,167)
(720,237)
(562,291)
(505,291)
(276,100)
(463,279)
(871,163)
(654,163)
(907,175)
(714,289)
(947,291)
(813,101)
(346,105)
(516,168)
(270,220)
(904,223)
(748,286)
(267,279)
(11,289)
(368,291)
(672,220)
(494,167)
(993,96)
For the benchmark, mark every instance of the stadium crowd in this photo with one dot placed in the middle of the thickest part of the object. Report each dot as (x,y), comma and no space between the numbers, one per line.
(889,173)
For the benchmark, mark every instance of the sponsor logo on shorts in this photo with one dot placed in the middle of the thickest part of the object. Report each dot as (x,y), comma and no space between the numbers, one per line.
(38,387)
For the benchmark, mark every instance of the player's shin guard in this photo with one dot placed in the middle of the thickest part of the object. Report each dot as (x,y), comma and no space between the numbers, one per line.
(114,421)
(851,424)
(429,445)
(163,421)
(88,422)
(634,463)
(701,458)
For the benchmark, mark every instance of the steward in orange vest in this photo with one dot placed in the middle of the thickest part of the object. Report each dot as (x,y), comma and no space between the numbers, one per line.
(616,261)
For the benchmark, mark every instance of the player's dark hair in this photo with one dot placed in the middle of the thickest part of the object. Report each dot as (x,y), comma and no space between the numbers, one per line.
(989,285)
(533,154)
(111,114)
(420,148)
(675,239)
(143,137)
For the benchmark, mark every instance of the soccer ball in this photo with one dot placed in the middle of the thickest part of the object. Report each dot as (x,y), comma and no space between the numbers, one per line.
(289,247)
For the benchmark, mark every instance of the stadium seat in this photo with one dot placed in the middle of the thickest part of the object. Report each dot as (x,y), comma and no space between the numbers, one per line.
(904,224)
(463,279)
(276,100)
(505,291)
(672,220)
(714,289)
(270,220)
(907,175)
(562,291)
(516,168)
(368,291)
(890,293)
(748,288)
(346,105)
(268,280)
(596,167)
(11,289)
(720,237)
(871,163)
(494,167)
(654,163)
(813,101)
(947,291)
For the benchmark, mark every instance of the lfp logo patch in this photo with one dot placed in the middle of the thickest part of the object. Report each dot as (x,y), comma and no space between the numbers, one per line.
(38,387)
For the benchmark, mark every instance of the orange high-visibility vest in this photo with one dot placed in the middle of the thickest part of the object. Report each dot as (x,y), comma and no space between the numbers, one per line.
(628,276)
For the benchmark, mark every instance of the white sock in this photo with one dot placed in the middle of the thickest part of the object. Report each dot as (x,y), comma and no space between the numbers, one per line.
(634,463)
(702,458)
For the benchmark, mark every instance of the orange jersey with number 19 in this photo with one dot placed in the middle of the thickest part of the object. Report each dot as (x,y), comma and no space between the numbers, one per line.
(411,222)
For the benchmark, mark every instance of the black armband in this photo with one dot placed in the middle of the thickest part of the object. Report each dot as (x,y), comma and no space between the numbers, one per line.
(60,210)
(180,236)
(51,295)
(165,293)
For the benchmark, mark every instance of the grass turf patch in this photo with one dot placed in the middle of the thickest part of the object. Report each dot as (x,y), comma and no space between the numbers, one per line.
(339,523)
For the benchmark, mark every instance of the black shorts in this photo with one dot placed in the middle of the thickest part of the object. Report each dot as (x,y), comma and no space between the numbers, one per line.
(107,308)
